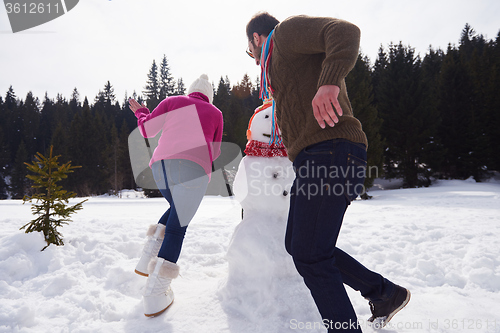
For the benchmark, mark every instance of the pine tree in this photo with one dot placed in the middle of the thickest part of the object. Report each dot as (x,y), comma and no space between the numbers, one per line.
(128,116)
(222,95)
(434,151)
(455,89)
(52,202)
(180,88)
(109,93)
(9,110)
(166,83)
(30,114)
(123,157)
(492,103)
(13,118)
(466,125)
(18,182)
(106,107)
(243,104)
(152,89)
(471,52)
(11,99)
(244,88)
(62,111)
(408,125)
(237,105)
(86,149)
(60,139)
(238,116)
(379,69)
(47,119)
(4,163)
(256,91)
(359,84)
(222,99)
(74,102)
(113,167)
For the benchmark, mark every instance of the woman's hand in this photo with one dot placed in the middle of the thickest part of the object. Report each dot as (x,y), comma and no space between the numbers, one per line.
(134,106)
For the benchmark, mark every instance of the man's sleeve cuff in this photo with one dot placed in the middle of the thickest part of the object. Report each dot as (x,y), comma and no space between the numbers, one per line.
(331,74)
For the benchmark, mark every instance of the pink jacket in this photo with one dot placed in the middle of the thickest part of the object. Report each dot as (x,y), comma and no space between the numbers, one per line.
(191,129)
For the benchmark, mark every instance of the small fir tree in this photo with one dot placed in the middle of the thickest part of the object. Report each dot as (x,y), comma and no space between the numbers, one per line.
(52,200)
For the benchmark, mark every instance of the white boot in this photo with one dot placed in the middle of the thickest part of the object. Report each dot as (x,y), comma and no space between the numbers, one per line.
(158,295)
(156,233)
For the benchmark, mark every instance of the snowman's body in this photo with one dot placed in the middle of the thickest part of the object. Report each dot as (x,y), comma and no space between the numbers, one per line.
(261,272)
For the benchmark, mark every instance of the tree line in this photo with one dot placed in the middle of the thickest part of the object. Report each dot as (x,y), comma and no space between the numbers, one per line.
(425,118)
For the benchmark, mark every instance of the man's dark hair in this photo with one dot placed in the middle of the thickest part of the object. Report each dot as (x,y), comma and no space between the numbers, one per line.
(262,23)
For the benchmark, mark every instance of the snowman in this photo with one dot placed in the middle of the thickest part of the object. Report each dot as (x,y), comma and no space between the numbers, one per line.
(261,272)
(265,175)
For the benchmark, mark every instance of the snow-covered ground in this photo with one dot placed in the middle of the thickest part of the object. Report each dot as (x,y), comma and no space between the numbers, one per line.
(441,242)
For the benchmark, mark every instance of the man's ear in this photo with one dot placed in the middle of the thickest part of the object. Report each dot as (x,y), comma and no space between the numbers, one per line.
(256,38)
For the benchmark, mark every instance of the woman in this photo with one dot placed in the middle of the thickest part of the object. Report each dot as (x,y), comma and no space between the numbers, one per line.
(191,129)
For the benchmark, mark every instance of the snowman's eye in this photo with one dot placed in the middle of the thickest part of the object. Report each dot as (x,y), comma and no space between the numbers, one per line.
(267,116)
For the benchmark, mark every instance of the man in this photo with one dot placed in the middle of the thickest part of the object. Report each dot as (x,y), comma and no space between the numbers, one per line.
(304,61)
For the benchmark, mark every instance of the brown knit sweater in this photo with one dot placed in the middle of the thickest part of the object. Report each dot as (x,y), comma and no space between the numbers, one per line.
(310,52)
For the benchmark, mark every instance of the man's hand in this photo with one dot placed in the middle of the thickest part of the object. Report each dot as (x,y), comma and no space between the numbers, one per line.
(134,106)
(322,105)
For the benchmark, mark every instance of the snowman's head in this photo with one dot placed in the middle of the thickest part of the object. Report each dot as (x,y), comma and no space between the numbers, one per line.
(260,126)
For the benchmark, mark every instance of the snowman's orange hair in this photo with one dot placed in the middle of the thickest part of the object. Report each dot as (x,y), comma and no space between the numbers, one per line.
(267,103)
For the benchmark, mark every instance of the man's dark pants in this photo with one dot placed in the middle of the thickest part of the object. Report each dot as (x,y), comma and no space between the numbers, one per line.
(329,175)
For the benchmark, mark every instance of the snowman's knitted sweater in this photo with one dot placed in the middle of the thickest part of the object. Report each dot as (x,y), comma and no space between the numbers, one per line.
(310,52)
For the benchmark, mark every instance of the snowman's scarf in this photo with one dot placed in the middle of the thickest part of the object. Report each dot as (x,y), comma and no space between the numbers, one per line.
(266,91)
(258,148)
(262,149)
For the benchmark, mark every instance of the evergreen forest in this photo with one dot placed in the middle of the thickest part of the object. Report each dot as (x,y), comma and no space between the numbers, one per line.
(430,117)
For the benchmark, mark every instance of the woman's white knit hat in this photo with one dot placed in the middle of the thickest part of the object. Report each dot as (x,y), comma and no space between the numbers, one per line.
(202,85)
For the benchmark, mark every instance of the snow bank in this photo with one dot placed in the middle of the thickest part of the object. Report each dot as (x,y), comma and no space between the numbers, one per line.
(441,242)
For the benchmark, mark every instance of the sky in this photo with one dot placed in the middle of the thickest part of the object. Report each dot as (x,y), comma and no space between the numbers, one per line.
(117,40)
